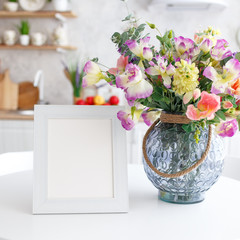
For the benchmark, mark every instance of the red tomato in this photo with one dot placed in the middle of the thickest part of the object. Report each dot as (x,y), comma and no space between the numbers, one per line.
(80,102)
(89,100)
(114,100)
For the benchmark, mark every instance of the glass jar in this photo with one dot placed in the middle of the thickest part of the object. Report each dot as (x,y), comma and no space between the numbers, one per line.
(170,149)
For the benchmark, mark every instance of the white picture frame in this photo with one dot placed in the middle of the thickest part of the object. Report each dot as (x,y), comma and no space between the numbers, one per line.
(80,160)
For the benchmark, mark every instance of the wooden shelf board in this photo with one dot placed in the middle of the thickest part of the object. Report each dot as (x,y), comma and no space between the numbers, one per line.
(14,115)
(32,47)
(38,14)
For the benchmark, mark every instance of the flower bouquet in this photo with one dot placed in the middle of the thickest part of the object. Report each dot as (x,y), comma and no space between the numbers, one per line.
(190,84)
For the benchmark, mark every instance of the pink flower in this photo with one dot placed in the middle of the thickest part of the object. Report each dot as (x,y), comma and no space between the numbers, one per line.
(133,83)
(206,107)
(227,104)
(122,62)
(227,129)
(126,120)
(189,95)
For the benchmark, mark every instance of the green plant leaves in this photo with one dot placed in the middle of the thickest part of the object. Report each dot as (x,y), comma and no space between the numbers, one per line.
(237,56)
(238,119)
(188,127)
(224,61)
(24,28)
(221,115)
(127,18)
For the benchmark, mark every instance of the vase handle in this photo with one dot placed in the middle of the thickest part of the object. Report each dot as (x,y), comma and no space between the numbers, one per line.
(180,173)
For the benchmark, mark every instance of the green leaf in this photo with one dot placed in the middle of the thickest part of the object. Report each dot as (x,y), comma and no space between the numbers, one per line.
(225,60)
(166,100)
(116,37)
(133,109)
(124,37)
(187,127)
(160,39)
(127,18)
(141,27)
(221,115)
(206,57)
(238,119)
(237,56)
(215,120)
(94,60)
(149,99)
(200,55)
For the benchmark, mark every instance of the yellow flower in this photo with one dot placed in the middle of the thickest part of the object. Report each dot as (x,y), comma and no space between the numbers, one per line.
(185,78)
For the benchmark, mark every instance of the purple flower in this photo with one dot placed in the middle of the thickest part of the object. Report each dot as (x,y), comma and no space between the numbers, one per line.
(231,71)
(219,52)
(227,129)
(150,117)
(192,52)
(141,49)
(126,120)
(93,74)
(182,44)
(133,83)
(77,79)
(161,69)
(206,45)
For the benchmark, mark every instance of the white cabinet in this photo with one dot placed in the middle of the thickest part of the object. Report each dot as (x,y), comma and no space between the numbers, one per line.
(16,135)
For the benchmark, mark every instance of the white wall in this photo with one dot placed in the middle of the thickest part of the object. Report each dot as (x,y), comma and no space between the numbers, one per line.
(91,32)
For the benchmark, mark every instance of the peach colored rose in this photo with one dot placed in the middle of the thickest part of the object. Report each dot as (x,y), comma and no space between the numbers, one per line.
(235,87)
(206,107)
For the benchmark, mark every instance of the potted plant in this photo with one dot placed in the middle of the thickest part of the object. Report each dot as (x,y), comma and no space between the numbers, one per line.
(188,91)
(74,73)
(11,5)
(24,29)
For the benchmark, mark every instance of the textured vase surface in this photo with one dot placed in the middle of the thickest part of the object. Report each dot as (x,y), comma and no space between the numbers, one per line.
(170,149)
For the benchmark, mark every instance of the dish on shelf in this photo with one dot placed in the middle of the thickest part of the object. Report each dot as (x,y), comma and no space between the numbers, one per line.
(32,5)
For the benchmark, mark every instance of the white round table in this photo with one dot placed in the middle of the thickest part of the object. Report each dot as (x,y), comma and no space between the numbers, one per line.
(216,218)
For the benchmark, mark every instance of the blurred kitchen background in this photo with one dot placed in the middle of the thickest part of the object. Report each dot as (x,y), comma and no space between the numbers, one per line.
(90,32)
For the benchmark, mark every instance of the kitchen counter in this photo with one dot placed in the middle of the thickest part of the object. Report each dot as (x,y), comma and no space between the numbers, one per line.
(16,115)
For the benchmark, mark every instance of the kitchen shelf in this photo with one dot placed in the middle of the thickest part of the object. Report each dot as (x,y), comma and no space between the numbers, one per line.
(38,14)
(32,47)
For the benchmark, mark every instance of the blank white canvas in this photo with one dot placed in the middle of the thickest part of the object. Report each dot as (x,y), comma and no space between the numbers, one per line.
(78,151)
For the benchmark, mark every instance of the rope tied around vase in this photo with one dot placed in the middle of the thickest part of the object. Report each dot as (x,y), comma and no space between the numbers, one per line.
(179,119)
